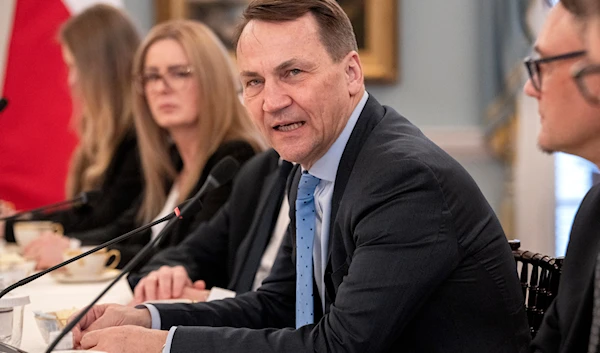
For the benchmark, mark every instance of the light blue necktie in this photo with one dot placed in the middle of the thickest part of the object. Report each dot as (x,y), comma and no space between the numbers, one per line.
(305,234)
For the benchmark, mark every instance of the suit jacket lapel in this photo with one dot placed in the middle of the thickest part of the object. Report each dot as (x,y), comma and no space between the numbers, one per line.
(371,115)
(292,188)
(369,118)
(245,248)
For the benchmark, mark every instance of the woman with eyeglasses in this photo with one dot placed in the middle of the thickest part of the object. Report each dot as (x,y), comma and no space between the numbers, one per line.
(188,117)
(98,47)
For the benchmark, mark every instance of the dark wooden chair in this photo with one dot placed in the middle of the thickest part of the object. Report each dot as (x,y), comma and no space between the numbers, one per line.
(539,275)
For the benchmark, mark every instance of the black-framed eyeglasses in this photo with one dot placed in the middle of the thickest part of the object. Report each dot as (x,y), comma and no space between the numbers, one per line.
(587,79)
(176,78)
(533,66)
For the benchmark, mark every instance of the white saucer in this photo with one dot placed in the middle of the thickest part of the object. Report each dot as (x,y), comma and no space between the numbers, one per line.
(105,275)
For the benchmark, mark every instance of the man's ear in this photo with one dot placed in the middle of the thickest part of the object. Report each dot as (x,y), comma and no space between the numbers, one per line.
(354,73)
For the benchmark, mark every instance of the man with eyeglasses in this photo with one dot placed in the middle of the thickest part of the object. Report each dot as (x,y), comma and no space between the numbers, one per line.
(563,83)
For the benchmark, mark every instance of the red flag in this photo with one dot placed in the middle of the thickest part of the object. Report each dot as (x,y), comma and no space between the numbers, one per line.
(35,142)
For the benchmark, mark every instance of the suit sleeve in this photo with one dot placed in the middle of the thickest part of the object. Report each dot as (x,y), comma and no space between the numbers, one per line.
(404,247)
(212,203)
(548,337)
(272,305)
(241,151)
(203,253)
(209,250)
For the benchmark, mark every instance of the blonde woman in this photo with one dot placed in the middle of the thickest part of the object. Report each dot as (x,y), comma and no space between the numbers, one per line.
(188,117)
(186,98)
(98,47)
(187,102)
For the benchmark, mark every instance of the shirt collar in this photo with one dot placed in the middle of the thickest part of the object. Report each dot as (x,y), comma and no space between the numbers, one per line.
(326,167)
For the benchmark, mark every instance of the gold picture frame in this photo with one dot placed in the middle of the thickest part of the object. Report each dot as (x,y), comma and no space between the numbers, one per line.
(374,21)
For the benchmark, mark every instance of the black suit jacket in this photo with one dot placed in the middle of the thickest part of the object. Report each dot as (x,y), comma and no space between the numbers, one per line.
(120,189)
(240,150)
(418,262)
(566,324)
(218,251)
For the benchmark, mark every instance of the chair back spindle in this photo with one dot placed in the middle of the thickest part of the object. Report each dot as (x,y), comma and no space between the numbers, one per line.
(539,276)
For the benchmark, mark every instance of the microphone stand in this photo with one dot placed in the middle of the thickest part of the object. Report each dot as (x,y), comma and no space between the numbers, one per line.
(83,198)
(222,173)
(91,251)
(130,265)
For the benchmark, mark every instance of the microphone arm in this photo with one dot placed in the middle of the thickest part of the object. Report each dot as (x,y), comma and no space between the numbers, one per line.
(222,173)
(130,265)
(82,199)
(26,280)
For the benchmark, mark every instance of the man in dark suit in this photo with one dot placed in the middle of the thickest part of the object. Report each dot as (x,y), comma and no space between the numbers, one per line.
(570,123)
(229,250)
(392,247)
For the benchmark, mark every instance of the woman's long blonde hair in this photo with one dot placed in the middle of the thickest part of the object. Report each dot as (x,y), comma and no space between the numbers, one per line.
(103,42)
(222,117)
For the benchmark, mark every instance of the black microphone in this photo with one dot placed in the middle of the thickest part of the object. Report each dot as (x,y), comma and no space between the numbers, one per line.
(85,198)
(3,104)
(127,235)
(216,178)
(221,174)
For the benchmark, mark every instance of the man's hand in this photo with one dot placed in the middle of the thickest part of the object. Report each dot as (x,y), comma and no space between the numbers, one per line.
(109,315)
(165,283)
(47,250)
(126,339)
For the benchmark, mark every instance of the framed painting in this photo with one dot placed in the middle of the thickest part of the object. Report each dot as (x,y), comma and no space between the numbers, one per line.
(374,21)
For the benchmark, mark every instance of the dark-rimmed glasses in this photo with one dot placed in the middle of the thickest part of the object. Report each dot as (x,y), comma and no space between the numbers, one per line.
(587,79)
(176,78)
(533,66)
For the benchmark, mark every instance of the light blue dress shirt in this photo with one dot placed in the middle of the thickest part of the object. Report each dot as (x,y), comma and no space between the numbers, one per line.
(156,324)
(325,169)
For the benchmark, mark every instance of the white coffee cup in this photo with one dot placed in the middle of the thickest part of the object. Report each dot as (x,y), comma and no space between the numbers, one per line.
(92,265)
(26,232)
